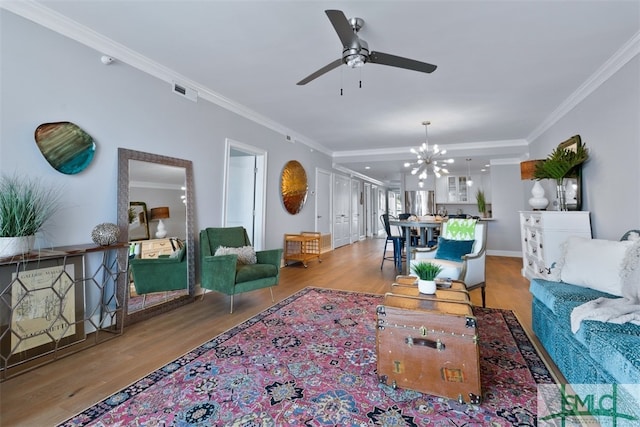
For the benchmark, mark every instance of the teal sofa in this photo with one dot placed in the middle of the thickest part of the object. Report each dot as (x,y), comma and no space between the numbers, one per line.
(599,353)
(223,273)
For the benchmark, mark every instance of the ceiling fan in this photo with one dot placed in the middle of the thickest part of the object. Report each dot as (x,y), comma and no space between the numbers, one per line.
(355,51)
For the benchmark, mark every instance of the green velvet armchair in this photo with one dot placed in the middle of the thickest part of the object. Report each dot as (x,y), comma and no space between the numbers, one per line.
(160,274)
(224,274)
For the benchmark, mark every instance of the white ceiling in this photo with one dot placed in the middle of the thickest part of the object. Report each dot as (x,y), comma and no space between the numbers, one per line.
(505,68)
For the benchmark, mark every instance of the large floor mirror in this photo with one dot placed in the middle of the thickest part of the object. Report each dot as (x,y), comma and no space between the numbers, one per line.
(155,212)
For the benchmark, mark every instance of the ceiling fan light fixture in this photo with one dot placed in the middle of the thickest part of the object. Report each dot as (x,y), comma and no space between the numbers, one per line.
(355,51)
(355,60)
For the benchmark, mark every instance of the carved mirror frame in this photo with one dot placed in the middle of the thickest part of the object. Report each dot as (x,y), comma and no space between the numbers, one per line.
(124,156)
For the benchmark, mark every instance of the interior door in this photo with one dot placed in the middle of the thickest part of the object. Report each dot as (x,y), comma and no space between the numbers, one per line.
(375,215)
(355,212)
(341,220)
(241,203)
(323,201)
(244,190)
(367,209)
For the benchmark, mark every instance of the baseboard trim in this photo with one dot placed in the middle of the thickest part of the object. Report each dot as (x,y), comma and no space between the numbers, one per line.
(515,254)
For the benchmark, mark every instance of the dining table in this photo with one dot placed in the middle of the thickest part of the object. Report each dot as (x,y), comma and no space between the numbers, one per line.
(426,229)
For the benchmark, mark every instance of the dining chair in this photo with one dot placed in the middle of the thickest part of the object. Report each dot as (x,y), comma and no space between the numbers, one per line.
(397,242)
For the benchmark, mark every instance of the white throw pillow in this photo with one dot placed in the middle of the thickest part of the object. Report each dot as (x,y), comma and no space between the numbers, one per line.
(594,263)
(246,254)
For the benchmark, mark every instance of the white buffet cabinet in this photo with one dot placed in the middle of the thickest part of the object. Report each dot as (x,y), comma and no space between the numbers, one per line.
(543,233)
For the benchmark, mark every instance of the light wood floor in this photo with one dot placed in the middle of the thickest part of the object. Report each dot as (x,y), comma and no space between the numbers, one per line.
(55,392)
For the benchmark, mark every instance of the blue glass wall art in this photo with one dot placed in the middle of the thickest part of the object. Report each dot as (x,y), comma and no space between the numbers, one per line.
(67,147)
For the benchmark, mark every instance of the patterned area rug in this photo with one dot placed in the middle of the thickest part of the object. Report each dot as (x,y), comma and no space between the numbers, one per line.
(310,360)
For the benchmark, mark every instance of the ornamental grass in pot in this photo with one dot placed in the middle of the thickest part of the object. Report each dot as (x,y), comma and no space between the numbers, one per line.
(427,273)
(25,206)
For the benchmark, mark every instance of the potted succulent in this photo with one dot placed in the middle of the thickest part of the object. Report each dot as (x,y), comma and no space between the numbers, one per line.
(25,205)
(482,202)
(426,272)
(563,162)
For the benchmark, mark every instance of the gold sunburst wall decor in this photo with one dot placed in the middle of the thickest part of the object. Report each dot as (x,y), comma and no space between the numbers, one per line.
(293,186)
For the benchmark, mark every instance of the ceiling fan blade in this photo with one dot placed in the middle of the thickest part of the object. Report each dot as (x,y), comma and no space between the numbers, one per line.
(341,24)
(400,62)
(321,71)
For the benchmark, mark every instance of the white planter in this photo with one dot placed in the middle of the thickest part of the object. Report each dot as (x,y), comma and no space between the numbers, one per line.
(427,286)
(11,246)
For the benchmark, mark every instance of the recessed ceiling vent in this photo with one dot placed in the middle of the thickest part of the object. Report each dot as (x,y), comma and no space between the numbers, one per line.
(187,92)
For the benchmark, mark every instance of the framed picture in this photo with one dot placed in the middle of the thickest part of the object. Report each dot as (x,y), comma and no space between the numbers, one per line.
(138,221)
(41,307)
(573,183)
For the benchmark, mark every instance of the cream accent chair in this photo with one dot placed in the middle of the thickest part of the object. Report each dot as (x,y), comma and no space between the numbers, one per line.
(471,267)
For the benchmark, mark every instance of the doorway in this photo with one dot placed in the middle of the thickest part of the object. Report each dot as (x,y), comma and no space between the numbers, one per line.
(244,190)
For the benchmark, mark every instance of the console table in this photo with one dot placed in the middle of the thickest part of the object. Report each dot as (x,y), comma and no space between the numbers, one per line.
(57,301)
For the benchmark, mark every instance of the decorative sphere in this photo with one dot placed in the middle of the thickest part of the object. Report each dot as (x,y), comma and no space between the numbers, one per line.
(105,234)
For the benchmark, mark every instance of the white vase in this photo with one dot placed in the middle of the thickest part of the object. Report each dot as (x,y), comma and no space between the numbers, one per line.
(11,246)
(427,286)
(538,201)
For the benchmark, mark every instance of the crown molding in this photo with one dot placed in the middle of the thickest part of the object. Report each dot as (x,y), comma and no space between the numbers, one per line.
(627,52)
(61,24)
(354,174)
(463,146)
(509,161)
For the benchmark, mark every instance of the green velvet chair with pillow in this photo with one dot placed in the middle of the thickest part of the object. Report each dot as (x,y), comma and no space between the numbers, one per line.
(229,264)
(163,274)
(461,252)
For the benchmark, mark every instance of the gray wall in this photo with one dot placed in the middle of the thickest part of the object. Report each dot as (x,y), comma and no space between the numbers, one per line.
(46,77)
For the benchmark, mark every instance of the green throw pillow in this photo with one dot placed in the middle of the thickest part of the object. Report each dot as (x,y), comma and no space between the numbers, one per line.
(452,250)
(460,229)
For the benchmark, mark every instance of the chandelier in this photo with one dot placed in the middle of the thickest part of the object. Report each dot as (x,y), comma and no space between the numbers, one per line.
(427,159)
